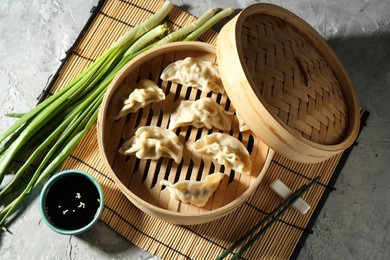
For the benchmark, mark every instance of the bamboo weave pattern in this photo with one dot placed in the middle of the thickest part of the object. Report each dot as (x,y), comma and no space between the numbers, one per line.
(296,82)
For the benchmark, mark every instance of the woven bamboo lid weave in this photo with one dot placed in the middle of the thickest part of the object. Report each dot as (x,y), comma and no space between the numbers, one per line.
(287,84)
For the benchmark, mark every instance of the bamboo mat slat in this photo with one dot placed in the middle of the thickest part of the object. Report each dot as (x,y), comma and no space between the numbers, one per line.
(110,19)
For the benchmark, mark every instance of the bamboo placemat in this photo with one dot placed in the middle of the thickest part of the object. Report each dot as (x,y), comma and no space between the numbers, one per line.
(109,20)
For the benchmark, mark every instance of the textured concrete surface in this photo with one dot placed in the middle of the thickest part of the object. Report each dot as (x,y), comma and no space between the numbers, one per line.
(354,223)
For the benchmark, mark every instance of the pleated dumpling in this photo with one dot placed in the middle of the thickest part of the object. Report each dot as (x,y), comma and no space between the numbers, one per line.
(199,113)
(191,72)
(194,192)
(152,142)
(131,97)
(226,149)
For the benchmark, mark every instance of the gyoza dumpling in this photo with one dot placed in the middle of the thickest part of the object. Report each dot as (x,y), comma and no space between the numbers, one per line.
(202,112)
(194,192)
(241,124)
(130,98)
(152,142)
(191,72)
(226,149)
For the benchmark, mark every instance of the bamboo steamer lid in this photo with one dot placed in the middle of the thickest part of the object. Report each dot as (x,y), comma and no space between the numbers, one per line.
(287,84)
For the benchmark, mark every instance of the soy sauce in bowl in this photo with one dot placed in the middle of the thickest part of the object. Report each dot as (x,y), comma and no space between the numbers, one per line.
(71,202)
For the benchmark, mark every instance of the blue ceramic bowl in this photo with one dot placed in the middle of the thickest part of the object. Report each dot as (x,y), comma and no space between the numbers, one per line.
(71,202)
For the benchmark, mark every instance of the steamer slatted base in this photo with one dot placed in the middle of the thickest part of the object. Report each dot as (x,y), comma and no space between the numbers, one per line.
(168,241)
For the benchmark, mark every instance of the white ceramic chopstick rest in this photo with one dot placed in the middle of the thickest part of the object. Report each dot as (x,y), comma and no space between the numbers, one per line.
(284,192)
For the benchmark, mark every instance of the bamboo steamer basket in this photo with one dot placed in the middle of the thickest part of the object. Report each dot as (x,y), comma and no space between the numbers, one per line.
(139,179)
(287,84)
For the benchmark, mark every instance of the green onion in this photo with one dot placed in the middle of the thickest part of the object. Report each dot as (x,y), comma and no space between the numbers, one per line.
(54,128)
(209,23)
(265,223)
(174,36)
(189,28)
(144,27)
(14,115)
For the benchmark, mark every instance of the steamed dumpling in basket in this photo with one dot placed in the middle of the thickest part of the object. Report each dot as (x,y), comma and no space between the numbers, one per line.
(225,149)
(129,98)
(194,192)
(152,142)
(191,72)
(204,112)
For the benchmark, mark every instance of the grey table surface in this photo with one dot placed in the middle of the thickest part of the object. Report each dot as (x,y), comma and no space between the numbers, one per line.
(354,223)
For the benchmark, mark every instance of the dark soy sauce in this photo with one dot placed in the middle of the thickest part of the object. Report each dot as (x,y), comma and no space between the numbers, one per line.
(72,202)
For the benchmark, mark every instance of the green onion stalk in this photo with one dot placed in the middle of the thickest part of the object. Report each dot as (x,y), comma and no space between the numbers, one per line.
(209,23)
